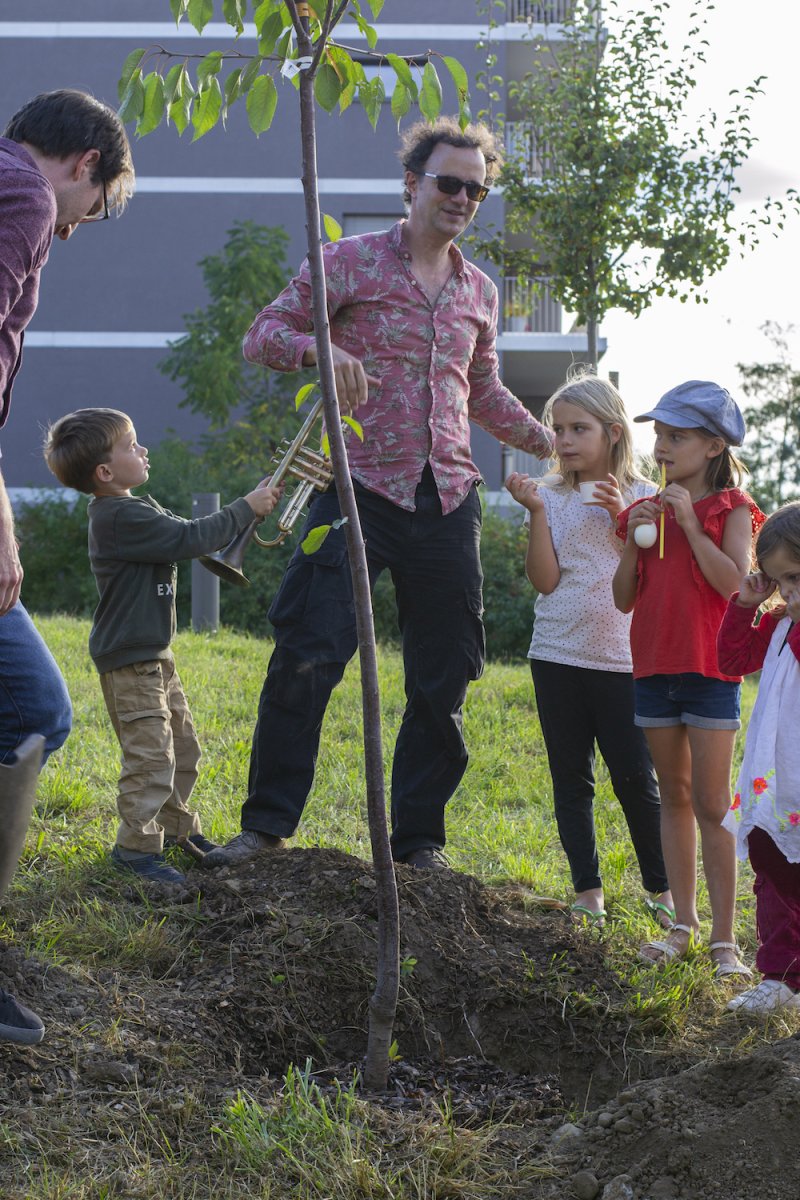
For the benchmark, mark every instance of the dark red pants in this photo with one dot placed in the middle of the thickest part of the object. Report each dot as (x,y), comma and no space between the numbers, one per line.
(777,889)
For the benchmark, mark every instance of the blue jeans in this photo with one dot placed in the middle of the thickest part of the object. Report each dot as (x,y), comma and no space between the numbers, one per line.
(33,695)
(435,565)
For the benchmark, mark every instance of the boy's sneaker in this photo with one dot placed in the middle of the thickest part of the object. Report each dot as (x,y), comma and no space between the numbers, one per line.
(197,839)
(18,1023)
(768,996)
(147,866)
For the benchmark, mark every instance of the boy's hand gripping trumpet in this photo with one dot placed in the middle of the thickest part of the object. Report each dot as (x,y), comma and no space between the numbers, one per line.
(314,472)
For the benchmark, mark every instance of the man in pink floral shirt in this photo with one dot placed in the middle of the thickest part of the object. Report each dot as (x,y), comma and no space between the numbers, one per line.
(413,327)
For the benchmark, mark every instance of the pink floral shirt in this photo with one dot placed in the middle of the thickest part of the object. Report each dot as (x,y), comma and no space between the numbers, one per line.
(437,364)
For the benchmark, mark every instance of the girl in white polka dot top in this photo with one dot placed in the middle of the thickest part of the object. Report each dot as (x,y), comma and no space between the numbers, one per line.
(580,651)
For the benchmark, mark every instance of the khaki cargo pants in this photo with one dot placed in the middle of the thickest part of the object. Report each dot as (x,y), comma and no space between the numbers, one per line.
(160,753)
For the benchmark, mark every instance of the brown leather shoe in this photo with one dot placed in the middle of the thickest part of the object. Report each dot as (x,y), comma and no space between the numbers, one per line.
(427,858)
(247,844)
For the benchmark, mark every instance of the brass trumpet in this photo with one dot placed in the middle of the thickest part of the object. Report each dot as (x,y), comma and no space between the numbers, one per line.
(314,471)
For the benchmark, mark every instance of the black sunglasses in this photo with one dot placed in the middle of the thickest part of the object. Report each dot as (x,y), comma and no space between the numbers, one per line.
(102,215)
(451,185)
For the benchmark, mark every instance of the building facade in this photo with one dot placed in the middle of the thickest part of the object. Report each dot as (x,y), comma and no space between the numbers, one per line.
(116,293)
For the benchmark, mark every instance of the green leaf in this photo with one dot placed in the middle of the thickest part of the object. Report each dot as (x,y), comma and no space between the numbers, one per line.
(132,62)
(375,8)
(271,30)
(430,100)
(356,427)
(208,66)
(314,539)
(180,109)
(403,72)
(200,13)
(171,82)
(401,100)
(304,392)
(325,445)
(367,30)
(178,8)
(233,87)
(153,108)
(249,74)
(332,227)
(458,73)
(264,10)
(262,100)
(327,87)
(233,12)
(207,108)
(132,103)
(372,95)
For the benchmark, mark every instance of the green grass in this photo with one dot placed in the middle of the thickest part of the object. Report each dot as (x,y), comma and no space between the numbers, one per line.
(500,828)
(500,823)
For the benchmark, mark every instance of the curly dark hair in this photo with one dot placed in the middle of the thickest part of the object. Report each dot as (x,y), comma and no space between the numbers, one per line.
(419,141)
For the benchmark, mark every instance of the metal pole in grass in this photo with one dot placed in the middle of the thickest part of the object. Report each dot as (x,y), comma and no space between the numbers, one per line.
(205,586)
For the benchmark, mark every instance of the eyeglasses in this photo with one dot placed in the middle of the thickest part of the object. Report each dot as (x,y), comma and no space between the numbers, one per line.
(451,185)
(103,213)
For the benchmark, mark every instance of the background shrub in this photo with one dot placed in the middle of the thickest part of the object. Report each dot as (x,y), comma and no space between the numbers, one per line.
(53,548)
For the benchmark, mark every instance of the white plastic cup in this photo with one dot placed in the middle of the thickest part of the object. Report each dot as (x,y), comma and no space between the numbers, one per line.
(587,491)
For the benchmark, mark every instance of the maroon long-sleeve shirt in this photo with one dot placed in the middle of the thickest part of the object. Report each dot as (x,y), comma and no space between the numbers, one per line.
(27,226)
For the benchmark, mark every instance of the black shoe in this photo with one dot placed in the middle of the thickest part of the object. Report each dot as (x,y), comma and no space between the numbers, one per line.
(147,866)
(197,839)
(18,1023)
(246,845)
(427,858)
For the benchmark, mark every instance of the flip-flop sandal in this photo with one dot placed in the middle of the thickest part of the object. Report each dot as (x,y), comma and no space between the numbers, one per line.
(723,970)
(587,916)
(658,909)
(666,952)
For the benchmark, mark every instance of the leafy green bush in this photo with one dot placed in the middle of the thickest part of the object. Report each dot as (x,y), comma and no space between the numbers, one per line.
(53,539)
(507,595)
(53,549)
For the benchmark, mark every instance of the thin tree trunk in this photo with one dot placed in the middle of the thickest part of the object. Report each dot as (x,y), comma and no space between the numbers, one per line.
(591,339)
(383,1002)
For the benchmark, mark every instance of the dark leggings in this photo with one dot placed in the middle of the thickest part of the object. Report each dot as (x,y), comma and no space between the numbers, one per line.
(578,707)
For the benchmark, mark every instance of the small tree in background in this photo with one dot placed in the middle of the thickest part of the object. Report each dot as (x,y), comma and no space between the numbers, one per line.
(295,39)
(207,361)
(772,446)
(617,194)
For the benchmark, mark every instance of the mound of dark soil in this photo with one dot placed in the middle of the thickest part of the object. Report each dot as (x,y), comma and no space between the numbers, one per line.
(506,1010)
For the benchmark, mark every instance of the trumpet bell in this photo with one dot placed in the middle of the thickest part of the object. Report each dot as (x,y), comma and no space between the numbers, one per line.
(226,564)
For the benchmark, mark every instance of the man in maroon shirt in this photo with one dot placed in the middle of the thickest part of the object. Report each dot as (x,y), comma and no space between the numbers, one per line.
(64,160)
(413,326)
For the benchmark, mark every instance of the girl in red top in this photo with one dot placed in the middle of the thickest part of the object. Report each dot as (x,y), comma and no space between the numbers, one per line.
(688,708)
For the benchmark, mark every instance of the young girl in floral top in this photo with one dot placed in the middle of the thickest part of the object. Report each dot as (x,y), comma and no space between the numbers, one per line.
(765,814)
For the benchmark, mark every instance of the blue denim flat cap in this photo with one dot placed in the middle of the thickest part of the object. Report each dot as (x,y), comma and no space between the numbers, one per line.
(699,404)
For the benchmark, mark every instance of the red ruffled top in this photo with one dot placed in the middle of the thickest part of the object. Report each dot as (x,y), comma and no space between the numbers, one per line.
(677,613)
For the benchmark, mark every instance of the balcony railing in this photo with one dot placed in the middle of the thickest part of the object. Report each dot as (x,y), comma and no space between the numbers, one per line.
(522,143)
(540,12)
(529,306)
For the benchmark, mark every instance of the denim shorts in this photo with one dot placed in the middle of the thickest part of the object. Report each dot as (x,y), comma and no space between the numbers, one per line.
(688,699)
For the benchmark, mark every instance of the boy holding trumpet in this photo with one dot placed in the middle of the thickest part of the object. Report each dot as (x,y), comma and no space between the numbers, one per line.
(134,545)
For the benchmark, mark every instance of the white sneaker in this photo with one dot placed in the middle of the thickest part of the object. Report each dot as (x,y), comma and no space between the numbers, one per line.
(767,996)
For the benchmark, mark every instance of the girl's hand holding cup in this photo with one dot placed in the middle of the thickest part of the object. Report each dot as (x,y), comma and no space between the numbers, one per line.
(605,494)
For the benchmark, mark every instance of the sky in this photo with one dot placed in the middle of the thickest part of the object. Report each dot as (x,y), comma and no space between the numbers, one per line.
(672,342)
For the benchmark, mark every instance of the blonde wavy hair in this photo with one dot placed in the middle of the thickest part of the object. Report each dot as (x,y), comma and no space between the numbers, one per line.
(601,400)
